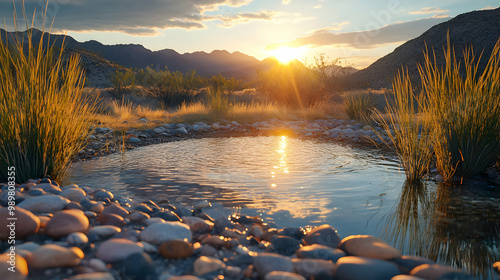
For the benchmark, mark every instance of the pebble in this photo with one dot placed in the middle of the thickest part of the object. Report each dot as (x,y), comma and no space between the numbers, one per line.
(268,262)
(26,224)
(176,249)
(139,266)
(282,275)
(117,249)
(138,217)
(285,245)
(49,188)
(207,264)
(322,252)
(52,255)
(115,209)
(44,204)
(112,220)
(93,276)
(21,267)
(98,265)
(368,246)
(184,277)
(161,232)
(73,194)
(66,222)
(77,239)
(198,224)
(323,235)
(438,272)
(360,268)
(104,232)
(407,263)
(312,267)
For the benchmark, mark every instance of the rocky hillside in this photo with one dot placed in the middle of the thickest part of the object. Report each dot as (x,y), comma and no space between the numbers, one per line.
(480,29)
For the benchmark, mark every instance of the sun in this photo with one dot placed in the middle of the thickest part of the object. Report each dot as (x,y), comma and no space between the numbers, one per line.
(286,54)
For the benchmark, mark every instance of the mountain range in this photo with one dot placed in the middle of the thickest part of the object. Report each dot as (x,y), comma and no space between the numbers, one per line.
(479,29)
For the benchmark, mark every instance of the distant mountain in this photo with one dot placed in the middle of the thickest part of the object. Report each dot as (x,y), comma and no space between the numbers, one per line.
(479,29)
(234,64)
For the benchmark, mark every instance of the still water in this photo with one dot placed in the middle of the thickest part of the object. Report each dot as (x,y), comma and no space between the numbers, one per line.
(294,182)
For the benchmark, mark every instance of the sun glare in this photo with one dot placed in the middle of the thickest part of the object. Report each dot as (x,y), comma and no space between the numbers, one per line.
(286,54)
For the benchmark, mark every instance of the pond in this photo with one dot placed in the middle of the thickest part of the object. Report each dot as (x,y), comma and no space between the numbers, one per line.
(296,182)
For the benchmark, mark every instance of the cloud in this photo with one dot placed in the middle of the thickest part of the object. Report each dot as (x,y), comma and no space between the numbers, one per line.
(397,32)
(145,17)
(286,2)
(428,10)
(334,27)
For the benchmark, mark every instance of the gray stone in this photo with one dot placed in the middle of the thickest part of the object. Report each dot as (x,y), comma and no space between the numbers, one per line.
(117,249)
(285,245)
(51,255)
(282,275)
(205,265)
(44,204)
(407,263)
(48,187)
(323,235)
(73,194)
(313,267)
(369,247)
(439,272)
(322,252)
(161,232)
(104,232)
(77,239)
(134,140)
(93,276)
(268,262)
(359,268)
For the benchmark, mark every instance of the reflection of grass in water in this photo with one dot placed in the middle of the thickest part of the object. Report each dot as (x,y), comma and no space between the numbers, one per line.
(443,227)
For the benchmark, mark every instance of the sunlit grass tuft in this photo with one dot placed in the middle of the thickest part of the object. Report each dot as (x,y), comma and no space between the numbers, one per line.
(359,106)
(463,107)
(43,113)
(408,134)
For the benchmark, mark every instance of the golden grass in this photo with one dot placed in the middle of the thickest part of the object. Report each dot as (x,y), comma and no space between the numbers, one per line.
(43,112)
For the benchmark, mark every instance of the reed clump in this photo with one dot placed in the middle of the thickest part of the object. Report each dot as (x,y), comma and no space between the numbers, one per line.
(457,117)
(43,112)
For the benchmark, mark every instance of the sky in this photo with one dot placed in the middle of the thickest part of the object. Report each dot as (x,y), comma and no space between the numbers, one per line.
(356,31)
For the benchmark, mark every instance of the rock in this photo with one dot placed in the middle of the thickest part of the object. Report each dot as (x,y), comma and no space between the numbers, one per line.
(312,267)
(66,222)
(51,255)
(438,272)
(117,249)
(93,276)
(5,194)
(176,249)
(161,232)
(49,188)
(215,241)
(44,204)
(167,215)
(104,232)
(103,195)
(98,265)
(407,263)
(112,220)
(207,264)
(184,277)
(151,221)
(202,204)
(268,262)
(323,235)
(369,247)
(21,267)
(139,266)
(354,268)
(282,275)
(25,225)
(322,252)
(208,250)
(138,217)
(134,140)
(77,239)
(198,224)
(115,209)
(285,245)
(405,277)
(73,194)
(294,232)
(257,231)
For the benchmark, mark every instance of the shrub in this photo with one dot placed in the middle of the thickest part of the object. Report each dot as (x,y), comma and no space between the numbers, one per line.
(43,113)
(217,101)
(292,85)
(171,88)
(121,80)
(359,106)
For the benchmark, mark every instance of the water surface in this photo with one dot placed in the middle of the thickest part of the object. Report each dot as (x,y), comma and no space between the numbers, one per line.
(296,182)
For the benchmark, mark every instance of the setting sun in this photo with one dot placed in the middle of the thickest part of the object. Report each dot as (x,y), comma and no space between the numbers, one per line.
(286,54)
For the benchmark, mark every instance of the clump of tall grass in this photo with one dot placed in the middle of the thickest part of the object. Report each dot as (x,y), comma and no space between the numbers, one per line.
(459,117)
(463,107)
(217,100)
(406,130)
(359,106)
(43,112)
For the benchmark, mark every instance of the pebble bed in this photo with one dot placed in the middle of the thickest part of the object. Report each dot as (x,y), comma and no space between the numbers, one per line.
(75,232)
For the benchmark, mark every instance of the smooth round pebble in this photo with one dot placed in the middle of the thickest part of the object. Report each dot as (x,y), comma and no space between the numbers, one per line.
(117,249)
(282,275)
(44,203)
(104,231)
(176,249)
(323,235)
(93,276)
(77,239)
(52,255)
(368,246)
(66,222)
(207,264)
(21,267)
(268,262)
(26,224)
(161,232)
(360,268)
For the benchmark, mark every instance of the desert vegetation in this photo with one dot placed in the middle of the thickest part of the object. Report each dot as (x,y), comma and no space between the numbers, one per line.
(43,113)
(457,114)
